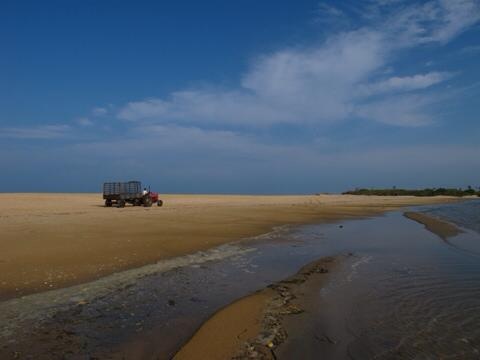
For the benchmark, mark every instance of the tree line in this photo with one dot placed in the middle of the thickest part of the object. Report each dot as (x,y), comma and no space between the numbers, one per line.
(469,191)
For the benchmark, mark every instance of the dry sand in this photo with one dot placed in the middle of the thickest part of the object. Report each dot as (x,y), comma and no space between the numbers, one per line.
(54,240)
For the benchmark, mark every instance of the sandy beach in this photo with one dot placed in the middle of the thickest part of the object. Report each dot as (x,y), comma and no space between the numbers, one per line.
(202,281)
(51,241)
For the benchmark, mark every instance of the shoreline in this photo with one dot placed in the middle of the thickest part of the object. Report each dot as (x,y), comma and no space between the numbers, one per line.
(62,240)
(280,311)
(256,326)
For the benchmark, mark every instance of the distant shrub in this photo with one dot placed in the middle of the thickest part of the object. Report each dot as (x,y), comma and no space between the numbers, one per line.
(418,192)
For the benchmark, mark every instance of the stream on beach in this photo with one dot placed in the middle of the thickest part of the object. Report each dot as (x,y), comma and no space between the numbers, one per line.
(404,293)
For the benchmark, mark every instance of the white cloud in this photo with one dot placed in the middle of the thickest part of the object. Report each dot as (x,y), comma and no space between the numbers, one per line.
(331,16)
(292,85)
(400,110)
(387,2)
(318,83)
(406,83)
(328,82)
(99,111)
(202,106)
(329,10)
(36,132)
(433,21)
(84,121)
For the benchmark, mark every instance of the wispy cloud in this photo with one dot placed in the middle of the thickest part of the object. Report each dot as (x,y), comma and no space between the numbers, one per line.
(331,16)
(289,86)
(99,111)
(329,10)
(84,121)
(328,82)
(402,110)
(45,132)
(473,49)
(407,83)
(411,23)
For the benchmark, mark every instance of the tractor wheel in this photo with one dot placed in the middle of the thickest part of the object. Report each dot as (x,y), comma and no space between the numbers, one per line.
(159,203)
(108,203)
(147,202)
(121,203)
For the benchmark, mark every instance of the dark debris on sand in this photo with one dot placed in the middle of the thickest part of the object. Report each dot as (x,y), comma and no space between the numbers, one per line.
(282,304)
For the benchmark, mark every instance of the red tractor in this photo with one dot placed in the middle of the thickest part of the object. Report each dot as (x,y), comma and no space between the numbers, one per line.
(131,192)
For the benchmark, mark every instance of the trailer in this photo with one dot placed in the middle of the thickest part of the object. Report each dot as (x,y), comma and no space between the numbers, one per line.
(121,193)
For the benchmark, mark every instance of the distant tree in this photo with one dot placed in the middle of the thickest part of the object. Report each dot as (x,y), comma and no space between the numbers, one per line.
(469,191)
(419,192)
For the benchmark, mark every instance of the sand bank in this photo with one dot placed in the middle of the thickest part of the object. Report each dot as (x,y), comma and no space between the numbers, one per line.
(255,326)
(227,331)
(51,241)
(439,227)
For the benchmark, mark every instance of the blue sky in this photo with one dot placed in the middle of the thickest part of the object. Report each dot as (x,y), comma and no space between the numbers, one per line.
(244,97)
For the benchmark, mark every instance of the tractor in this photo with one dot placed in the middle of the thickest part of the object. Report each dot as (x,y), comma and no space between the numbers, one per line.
(121,193)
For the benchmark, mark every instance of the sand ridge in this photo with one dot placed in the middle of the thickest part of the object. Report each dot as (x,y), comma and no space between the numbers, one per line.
(226,332)
(441,228)
(254,326)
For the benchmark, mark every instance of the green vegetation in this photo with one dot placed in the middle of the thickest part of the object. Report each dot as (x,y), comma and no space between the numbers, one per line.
(424,192)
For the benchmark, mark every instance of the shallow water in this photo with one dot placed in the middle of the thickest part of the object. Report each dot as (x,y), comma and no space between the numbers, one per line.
(407,292)
(465,214)
(408,295)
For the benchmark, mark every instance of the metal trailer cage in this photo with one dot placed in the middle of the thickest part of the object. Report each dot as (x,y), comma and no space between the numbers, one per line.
(130,192)
(122,190)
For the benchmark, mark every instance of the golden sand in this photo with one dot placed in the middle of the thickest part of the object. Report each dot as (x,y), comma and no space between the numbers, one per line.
(54,240)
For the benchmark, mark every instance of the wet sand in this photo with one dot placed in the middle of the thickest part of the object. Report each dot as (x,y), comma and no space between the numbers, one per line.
(439,227)
(258,325)
(51,241)
(227,331)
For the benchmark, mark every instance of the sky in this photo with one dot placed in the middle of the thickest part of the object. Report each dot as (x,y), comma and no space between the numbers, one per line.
(271,97)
